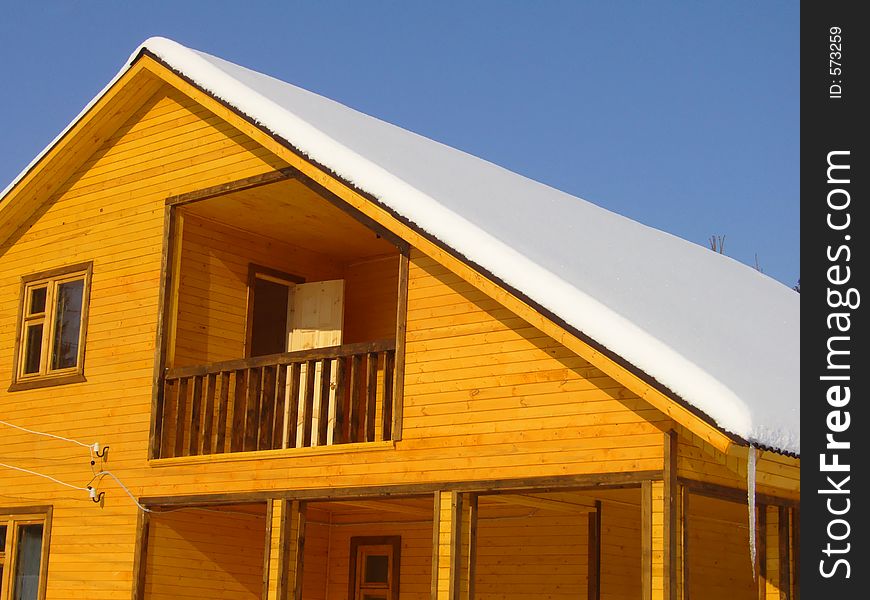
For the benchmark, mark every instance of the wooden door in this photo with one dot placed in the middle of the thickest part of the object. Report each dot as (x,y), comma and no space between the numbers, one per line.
(316,318)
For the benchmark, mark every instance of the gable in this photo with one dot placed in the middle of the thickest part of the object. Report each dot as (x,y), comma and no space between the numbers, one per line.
(647,365)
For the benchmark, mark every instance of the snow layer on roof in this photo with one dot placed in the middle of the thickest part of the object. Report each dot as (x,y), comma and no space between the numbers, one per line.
(720,335)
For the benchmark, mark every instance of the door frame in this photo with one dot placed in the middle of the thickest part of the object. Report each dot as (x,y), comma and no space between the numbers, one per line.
(269,274)
(380,540)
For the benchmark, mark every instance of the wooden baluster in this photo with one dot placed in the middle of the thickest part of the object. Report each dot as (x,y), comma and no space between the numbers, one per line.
(166,443)
(195,417)
(252,415)
(323,416)
(339,431)
(387,412)
(240,398)
(280,407)
(180,409)
(371,396)
(208,414)
(293,412)
(267,409)
(308,403)
(223,409)
(355,398)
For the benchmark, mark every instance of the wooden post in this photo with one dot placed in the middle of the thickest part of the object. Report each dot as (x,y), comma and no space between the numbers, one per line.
(658,542)
(776,578)
(593,581)
(761,549)
(452,542)
(646,535)
(670,518)
(472,543)
(285,545)
(140,557)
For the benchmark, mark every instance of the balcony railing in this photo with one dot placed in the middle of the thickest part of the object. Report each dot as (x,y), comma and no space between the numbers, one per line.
(319,397)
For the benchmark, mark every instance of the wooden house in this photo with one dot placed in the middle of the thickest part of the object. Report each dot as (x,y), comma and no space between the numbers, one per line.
(255,344)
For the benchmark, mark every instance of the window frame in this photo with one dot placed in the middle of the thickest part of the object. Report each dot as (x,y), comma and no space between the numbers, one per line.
(51,279)
(13,519)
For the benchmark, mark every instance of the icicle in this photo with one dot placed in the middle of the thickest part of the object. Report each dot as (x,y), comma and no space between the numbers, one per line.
(750,491)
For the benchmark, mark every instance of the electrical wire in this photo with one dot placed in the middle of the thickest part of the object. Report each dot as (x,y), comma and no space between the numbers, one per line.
(69,485)
(51,435)
(104,473)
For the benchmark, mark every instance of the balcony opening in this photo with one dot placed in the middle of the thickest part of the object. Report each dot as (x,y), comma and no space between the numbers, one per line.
(281,325)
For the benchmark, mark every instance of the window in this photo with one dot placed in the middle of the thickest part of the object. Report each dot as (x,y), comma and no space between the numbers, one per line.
(50,345)
(23,553)
(374,568)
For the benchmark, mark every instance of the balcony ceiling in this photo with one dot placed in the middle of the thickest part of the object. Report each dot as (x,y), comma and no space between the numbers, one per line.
(291,212)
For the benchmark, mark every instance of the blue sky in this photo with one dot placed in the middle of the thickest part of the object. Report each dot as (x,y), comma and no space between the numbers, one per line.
(681,115)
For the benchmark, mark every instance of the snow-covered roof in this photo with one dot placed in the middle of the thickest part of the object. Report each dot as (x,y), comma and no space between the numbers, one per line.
(718,334)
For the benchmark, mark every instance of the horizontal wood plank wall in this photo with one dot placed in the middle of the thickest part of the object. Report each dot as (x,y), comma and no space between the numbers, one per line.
(318,555)
(416,560)
(775,474)
(476,376)
(212,303)
(370,300)
(620,550)
(109,212)
(718,540)
(198,554)
(531,554)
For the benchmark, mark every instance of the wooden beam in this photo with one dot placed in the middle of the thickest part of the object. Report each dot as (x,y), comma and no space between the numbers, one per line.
(392,507)
(542,503)
(589,482)
(232,186)
(593,587)
(456,509)
(401,330)
(784,555)
(670,515)
(140,556)
(761,549)
(473,510)
(269,558)
(160,344)
(684,515)
(646,533)
(436,543)
(294,543)
(282,358)
(714,490)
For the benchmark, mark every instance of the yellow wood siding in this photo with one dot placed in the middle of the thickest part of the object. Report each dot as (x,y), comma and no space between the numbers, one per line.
(775,474)
(213,290)
(111,212)
(332,535)
(718,549)
(487,395)
(201,554)
(620,550)
(523,554)
(370,300)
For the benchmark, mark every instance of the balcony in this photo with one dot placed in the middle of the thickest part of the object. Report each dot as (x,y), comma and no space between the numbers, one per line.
(282,313)
(327,396)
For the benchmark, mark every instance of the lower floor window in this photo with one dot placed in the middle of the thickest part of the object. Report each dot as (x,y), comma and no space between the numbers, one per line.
(23,551)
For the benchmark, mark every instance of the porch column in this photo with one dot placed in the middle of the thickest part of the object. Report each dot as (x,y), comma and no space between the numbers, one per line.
(454,546)
(775,577)
(285,543)
(661,526)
